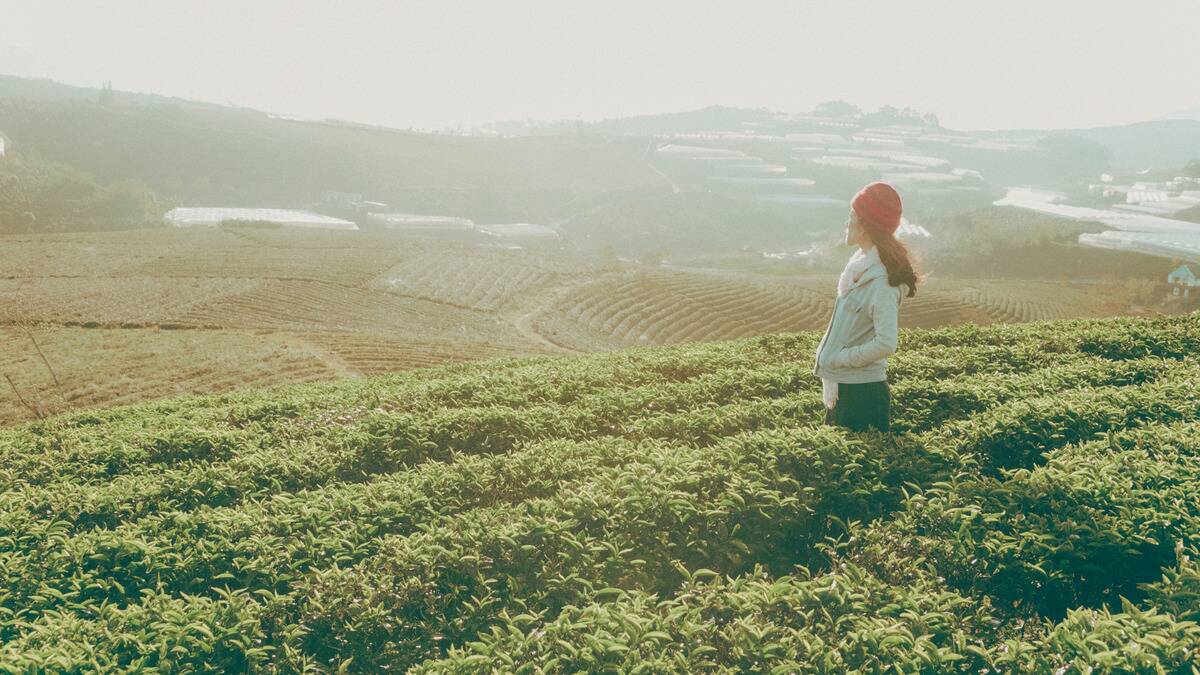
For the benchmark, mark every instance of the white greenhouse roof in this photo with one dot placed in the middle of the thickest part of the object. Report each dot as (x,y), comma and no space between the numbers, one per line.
(909,229)
(518,230)
(211,216)
(818,138)
(1044,202)
(1166,245)
(1137,232)
(421,221)
(922,177)
(695,152)
(764,182)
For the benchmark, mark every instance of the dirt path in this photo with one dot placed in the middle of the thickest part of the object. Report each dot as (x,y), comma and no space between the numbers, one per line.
(524,322)
(675,189)
(340,368)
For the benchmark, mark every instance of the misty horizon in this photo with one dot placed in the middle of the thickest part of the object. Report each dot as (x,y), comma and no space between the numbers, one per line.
(425,66)
(1191,113)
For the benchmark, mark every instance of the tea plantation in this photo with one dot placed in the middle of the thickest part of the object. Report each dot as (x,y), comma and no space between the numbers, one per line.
(674,509)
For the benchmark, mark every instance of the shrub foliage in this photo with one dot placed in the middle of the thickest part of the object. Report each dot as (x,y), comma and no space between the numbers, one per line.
(655,510)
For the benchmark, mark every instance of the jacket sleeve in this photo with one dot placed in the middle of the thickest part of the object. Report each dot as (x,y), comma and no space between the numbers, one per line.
(884,309)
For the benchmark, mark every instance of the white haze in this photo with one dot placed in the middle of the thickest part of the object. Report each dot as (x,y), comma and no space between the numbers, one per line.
(1028,64)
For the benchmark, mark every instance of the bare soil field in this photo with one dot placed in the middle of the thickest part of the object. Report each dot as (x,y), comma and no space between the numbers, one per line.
(638,307)
(123,317)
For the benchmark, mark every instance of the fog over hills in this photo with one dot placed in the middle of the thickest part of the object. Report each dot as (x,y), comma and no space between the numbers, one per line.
(1192,113)
(704,181)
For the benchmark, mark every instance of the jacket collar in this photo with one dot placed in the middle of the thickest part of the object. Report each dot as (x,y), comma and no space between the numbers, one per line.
(876,270)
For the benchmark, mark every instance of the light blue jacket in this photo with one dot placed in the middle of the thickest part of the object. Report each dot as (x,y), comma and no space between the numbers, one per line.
(862,331)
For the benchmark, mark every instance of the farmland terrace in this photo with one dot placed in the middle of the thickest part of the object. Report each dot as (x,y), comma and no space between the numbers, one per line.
(119,317)
(673,509)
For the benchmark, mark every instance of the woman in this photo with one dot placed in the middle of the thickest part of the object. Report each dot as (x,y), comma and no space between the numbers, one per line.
(852,356)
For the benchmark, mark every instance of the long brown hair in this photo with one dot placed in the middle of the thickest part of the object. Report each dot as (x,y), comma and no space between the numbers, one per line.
(895,256)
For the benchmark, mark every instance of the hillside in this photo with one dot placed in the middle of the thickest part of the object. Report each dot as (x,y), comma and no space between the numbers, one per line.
(106,318)
(191,153)
(1159,144)
(701,182)
(130,316)
(676,508)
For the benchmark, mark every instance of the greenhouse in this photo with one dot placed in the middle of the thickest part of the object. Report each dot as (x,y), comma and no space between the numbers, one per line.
(212,217)
(1137,232)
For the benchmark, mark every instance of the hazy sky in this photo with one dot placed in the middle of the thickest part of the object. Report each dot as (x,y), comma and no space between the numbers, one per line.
(975,63)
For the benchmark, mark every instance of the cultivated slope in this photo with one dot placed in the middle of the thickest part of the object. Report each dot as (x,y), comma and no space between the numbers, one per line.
(126,317)
(677,508)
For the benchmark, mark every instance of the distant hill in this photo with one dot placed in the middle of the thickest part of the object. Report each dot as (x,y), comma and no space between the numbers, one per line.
(1192,113)
(49,90)
(83,158)
(1157,144)
(188,152)
(702,119)
(689,223)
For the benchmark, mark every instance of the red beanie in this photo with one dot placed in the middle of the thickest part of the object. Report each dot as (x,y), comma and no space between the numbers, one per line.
(878,205)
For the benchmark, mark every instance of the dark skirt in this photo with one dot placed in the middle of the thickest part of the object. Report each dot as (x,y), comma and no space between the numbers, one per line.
(862,406)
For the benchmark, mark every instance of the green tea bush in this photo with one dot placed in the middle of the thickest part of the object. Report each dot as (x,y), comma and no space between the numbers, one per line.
(674,509)
(1090,526)
(832,623)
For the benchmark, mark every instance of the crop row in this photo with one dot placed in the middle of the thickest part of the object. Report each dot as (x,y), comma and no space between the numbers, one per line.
(373,355)
(305,528)
(263,413)
(1072,540)
(1173,337)
(841,621)
(111,367)
(351,624)
(923,404)
(673,307)
(209,469)
(111,301)
(755,498)
(486,284)
(268,543)
(237,260)
(139,537)
(1008,308)
(1091,525)
(1018,433)
(924,355)
(677,308)
(40,453)
(548,381)
(309,305)
(89,457)
(722,506)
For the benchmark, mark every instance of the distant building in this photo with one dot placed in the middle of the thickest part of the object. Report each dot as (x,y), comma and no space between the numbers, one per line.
(212,217)
(342,198)
(1182,281)
(417,222)
(910,229)
(519,231)
(1138,196)
(699,153)
(1158,202)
